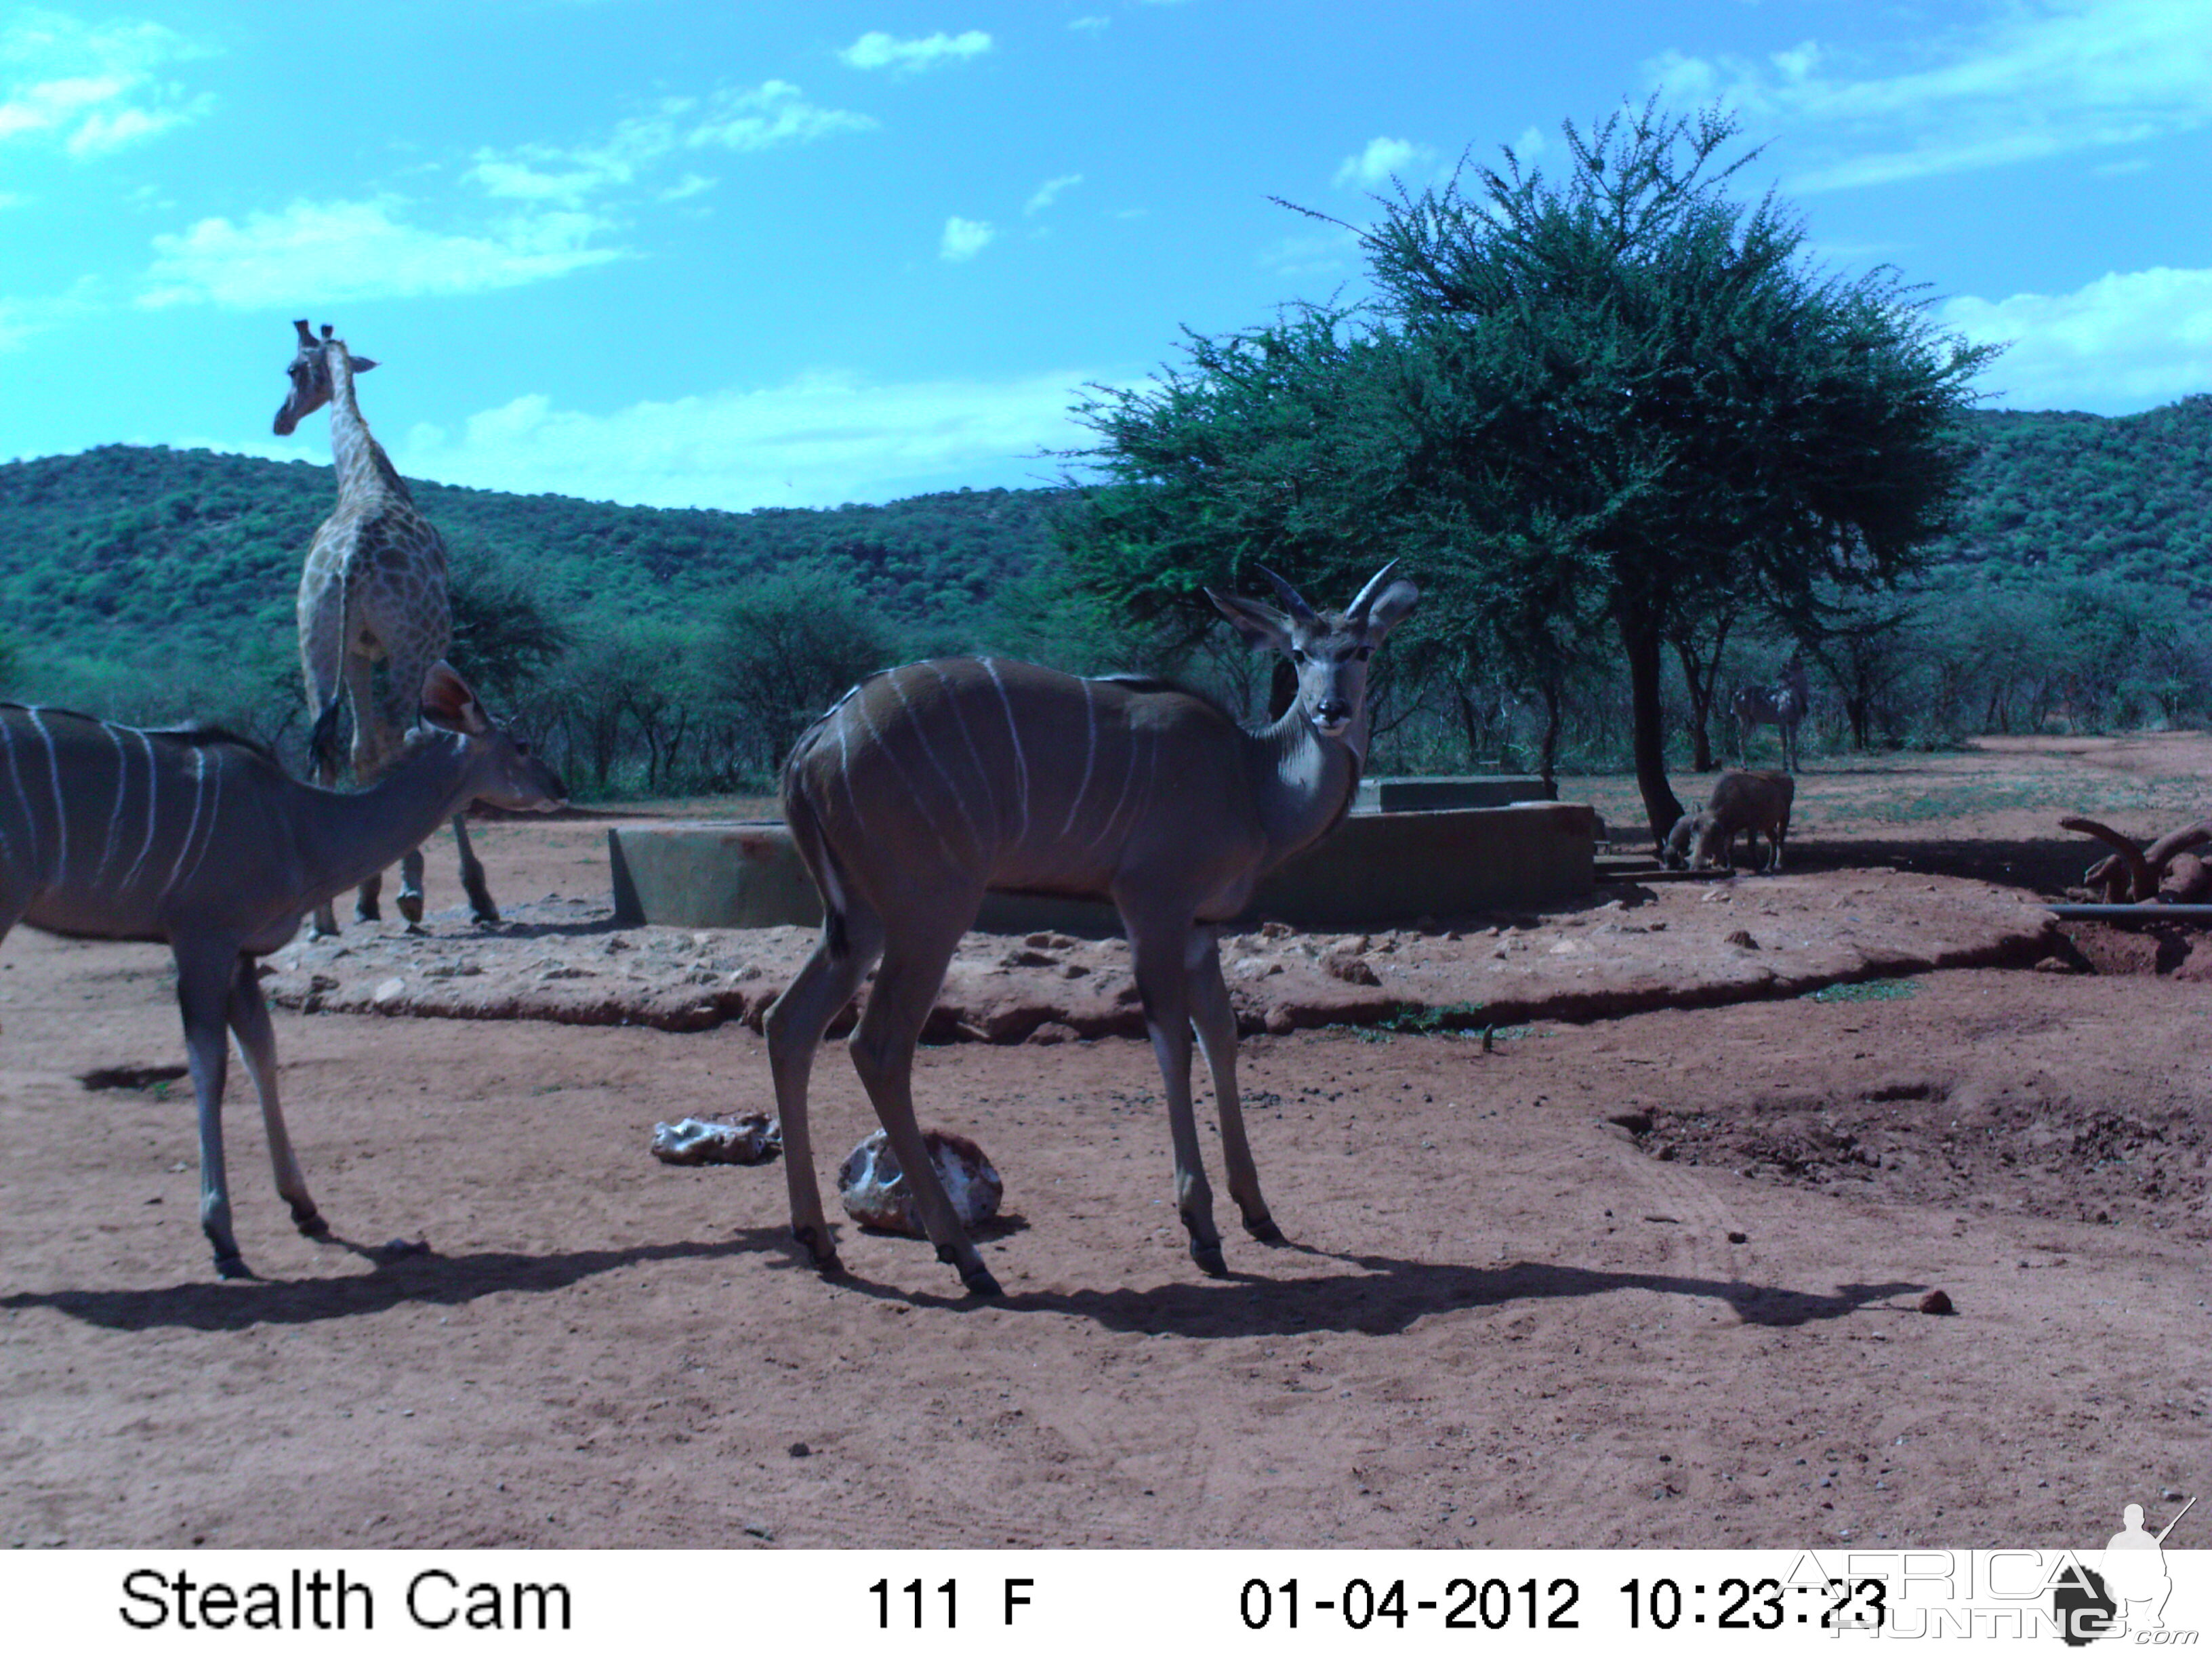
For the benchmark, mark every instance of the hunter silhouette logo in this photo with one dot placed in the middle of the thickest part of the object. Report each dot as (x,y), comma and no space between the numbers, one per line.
(2127,1596)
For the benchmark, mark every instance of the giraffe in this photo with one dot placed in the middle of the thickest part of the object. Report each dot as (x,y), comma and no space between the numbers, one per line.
(374,588)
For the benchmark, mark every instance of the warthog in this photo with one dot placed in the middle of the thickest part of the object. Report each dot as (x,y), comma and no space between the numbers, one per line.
(1743,803)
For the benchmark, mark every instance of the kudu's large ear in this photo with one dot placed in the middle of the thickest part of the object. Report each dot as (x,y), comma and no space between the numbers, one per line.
(1259,624)
(306,334)
(449,704)
(360,364)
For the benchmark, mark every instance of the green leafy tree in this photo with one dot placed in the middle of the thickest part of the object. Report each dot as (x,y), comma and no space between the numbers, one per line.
(1632,357)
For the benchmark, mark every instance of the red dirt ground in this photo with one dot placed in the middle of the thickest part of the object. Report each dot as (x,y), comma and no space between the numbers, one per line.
(1646,1279)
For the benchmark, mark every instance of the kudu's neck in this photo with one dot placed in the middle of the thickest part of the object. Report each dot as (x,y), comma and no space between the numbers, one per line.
(1306,780)
(345,838)
(363,468)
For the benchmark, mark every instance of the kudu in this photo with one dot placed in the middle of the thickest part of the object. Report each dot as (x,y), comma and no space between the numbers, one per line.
(928,785)
(1782,705)
(199,839)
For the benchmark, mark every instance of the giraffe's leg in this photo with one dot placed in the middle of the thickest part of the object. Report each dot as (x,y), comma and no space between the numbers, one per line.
(1160,942)
(205,970)
(472,873)
(794,1024)
(1216,1022)
(257,1046)
(899,1003)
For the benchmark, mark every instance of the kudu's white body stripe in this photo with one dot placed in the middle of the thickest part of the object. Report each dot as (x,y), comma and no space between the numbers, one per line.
(905,782)
(922,731)
(968,736)
(199,792)
(115,813)
(1090,757)
(1014,733)
(153,806)
(61,812)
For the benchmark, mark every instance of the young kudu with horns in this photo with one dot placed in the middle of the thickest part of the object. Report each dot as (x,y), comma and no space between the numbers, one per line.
(928,785)
(199,839)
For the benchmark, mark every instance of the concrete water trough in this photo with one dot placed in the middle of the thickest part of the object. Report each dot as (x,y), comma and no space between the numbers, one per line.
(1380,868)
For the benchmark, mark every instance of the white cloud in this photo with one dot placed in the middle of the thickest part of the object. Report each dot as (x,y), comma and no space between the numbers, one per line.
(964,239)
(1047,193)
(775,112)
(1382,160)
(819,441)
(740,118)
(875,49)
(337,251)
(2127,340)
(2045,78)
(92,89)
(1531,145)
(1090,25)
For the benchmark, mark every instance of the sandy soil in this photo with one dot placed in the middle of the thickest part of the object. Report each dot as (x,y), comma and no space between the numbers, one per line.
(1653,1277)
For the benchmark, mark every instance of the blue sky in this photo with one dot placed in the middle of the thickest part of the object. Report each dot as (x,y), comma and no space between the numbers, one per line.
(743,255)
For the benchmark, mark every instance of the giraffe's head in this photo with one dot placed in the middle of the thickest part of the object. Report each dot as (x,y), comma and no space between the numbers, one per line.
(311,376)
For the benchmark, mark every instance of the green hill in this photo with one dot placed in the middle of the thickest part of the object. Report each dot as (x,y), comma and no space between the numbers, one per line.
(103,552)
(2062,495)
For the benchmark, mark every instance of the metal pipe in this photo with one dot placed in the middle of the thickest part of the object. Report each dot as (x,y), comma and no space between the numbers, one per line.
(2132,912)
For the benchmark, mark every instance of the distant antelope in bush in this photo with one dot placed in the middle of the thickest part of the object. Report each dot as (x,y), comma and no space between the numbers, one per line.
(374,588)
(928,785)
(1782,705)
(198,839)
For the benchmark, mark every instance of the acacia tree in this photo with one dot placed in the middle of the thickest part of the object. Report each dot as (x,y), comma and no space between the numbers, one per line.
(1632,355)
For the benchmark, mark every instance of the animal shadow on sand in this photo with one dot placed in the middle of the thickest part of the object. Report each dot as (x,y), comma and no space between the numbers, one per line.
(1374,1296)
(415,1277)
(1381,1296)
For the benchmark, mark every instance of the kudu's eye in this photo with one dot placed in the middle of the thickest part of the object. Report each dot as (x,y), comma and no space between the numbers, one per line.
(1297,655)
(1364,653)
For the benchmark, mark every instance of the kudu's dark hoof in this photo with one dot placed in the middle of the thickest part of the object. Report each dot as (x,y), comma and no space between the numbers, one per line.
(368,913)
(485,918)
(979,1282)
(1264,1230)
(819,1250)
(231,1267)
(410,906)
(311,1224)
(1209,1258)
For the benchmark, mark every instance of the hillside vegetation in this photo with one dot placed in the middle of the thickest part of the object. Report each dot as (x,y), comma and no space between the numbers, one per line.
(664,647)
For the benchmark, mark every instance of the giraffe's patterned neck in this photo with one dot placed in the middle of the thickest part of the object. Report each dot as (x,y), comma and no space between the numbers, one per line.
(363,467)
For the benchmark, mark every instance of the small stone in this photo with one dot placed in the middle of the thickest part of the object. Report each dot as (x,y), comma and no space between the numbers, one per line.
(1742,937)
(1936,1302)
(1739,1238)
(800,1449)
(389,993)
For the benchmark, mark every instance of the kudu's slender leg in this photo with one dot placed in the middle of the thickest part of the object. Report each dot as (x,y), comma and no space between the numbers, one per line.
(899,1003)
(257,1046)
(1163,951)
(409,901)
(481,907)
(795,1022)
(1215,1021)
(204,971)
